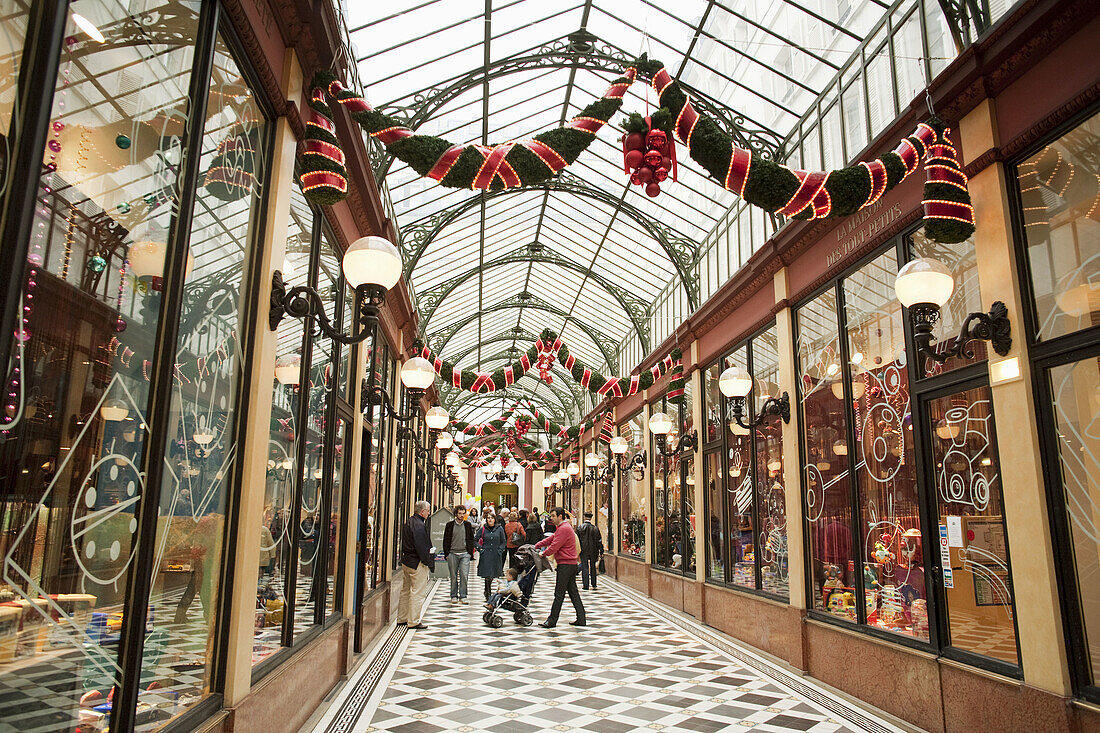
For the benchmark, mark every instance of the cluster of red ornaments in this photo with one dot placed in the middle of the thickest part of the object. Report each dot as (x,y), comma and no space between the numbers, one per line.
(649,158)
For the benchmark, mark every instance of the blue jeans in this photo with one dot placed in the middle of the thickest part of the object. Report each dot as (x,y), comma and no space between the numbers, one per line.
(458,563)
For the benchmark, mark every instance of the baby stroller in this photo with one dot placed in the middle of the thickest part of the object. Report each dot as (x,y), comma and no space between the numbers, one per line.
(527,559)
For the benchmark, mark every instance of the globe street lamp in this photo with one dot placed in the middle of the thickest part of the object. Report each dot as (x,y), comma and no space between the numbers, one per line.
(736,383)
(660,425)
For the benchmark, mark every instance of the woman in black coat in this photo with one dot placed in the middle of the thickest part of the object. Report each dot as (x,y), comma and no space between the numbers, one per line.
(492,543)
(533,530)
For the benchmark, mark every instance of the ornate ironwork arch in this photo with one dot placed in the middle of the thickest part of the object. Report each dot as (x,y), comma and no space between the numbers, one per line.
(571,52)
(570,408)
(428,301)
(681,251)
(607,346)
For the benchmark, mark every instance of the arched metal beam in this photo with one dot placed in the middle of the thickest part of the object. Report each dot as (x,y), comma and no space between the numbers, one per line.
(428,301)
(572,52)
(681,251)
(438,341)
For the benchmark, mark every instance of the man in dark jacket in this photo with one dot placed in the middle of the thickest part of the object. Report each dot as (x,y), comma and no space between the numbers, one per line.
(417,563)
(591,549)
(458,549)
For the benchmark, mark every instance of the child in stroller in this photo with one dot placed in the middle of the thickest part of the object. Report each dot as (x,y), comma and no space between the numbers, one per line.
(516,592)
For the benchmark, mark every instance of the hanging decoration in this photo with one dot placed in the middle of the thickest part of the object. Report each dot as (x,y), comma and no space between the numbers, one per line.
(649,150)
(808,194)
(493,167)
(231,174)
(947,217)
(324,177)
(550,343)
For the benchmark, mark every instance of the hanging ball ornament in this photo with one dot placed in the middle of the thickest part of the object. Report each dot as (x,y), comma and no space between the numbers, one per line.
(96,263)
(120,325)
(635,141)
(656,139)
(635,179)
(652,189)
(123,208)
(634,158)
(123,142)
(653,158)
(660,174)
(645,175)
(666,162)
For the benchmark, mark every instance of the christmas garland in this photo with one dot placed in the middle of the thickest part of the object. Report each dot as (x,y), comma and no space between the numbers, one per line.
(324,178)
(949,217)
(548,345)
(493,167)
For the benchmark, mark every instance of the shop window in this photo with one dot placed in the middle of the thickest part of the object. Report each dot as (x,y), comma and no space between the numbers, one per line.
(13,32)
(977,586)
(276,546)
(674,494)
(1075,389)
(604,513)
(712,405)
(377,480)
(1060,196)
(882,454)
(334,503)
(632,490)
(827,490)
(747,501)
(73,430)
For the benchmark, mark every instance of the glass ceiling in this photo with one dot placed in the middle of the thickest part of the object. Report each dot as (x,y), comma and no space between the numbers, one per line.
(473,72)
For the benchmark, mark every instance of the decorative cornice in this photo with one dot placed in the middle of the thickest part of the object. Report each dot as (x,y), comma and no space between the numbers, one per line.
(242,24)
(1051,122)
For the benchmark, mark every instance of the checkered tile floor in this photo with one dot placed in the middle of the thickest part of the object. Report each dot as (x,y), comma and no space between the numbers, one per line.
(629,670)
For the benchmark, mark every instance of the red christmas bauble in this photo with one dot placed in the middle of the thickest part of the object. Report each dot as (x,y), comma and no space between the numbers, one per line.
(660,174)
(656,139)
(634,158)
(635,141)
(645,175)
(666,162)
(652,189)
(636,181)
(653,158)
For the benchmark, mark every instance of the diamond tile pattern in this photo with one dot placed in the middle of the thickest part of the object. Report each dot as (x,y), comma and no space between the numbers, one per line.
(628,670)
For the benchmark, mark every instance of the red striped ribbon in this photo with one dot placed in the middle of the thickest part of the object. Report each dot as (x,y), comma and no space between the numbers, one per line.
(661,80)
(320,147)
(547,154)
(353,103)
(948,210)
(313,179)
(685,122)
(490,165)
(570,361)
(509,377)
(319,120)
(635,384)
(443,165)
(586,377)
(810,182)
(908,154)
(738,174)
(877,173)
(392,134)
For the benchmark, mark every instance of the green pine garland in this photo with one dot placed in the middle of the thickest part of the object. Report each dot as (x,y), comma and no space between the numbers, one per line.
(323,177)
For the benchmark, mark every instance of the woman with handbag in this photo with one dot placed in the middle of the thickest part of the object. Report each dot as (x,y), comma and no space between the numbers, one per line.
(492,543)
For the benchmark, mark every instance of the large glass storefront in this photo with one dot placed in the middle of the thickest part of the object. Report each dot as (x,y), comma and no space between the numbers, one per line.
(674,491)
(633,509)
(1058,205)
(872,529)
(743,474)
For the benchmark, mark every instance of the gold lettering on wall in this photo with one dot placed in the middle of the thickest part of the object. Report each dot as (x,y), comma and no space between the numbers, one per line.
(860,227)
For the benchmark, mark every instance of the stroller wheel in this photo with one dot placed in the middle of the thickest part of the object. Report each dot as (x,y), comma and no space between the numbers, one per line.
(524,619)
(487,617)
(496,622)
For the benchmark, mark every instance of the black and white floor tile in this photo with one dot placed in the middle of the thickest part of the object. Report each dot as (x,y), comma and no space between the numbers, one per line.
(636,667)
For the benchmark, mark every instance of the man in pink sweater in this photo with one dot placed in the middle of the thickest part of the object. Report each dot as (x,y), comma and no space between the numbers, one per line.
(564,547)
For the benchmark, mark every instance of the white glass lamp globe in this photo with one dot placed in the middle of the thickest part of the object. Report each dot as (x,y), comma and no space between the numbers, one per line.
(288,369)
(735,381)
(372,261)
(452,458)
(149,249)
(417,373)
(840,448)
(591,460)
(114,410)
(437,418)
(619,445)
(660,423)
(546,483)
(563,475)
(924,280)
(573,469)
(444,441)
(495,466)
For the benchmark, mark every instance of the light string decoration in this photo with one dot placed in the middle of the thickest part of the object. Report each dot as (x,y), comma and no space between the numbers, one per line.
(324,176)
(547,347)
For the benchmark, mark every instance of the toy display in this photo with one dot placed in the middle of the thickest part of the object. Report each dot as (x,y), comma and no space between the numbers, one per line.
(842,603)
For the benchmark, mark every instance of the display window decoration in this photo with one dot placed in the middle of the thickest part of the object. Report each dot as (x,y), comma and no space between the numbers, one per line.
(231,174)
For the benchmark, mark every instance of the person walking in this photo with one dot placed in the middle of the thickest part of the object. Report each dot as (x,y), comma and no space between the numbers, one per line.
(458,549)
(516,534)
(492,543)
(564,546)
(533,530)
(417,563)
(591,550)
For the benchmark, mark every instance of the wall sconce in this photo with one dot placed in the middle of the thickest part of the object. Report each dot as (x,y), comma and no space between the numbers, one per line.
(924,286)
(660,425)
(371,266)
(736,383)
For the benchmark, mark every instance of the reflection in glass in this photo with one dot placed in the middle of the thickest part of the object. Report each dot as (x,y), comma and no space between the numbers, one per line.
(334,496)
(893,562)
(739,487)
(977,584)
(632,490)
(1076,390)
(712,467)
(72,425)
(824,425)
(1060,193)
(770,496)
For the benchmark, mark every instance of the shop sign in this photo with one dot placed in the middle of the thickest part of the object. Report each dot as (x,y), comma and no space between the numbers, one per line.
(945,558)
(860,227)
